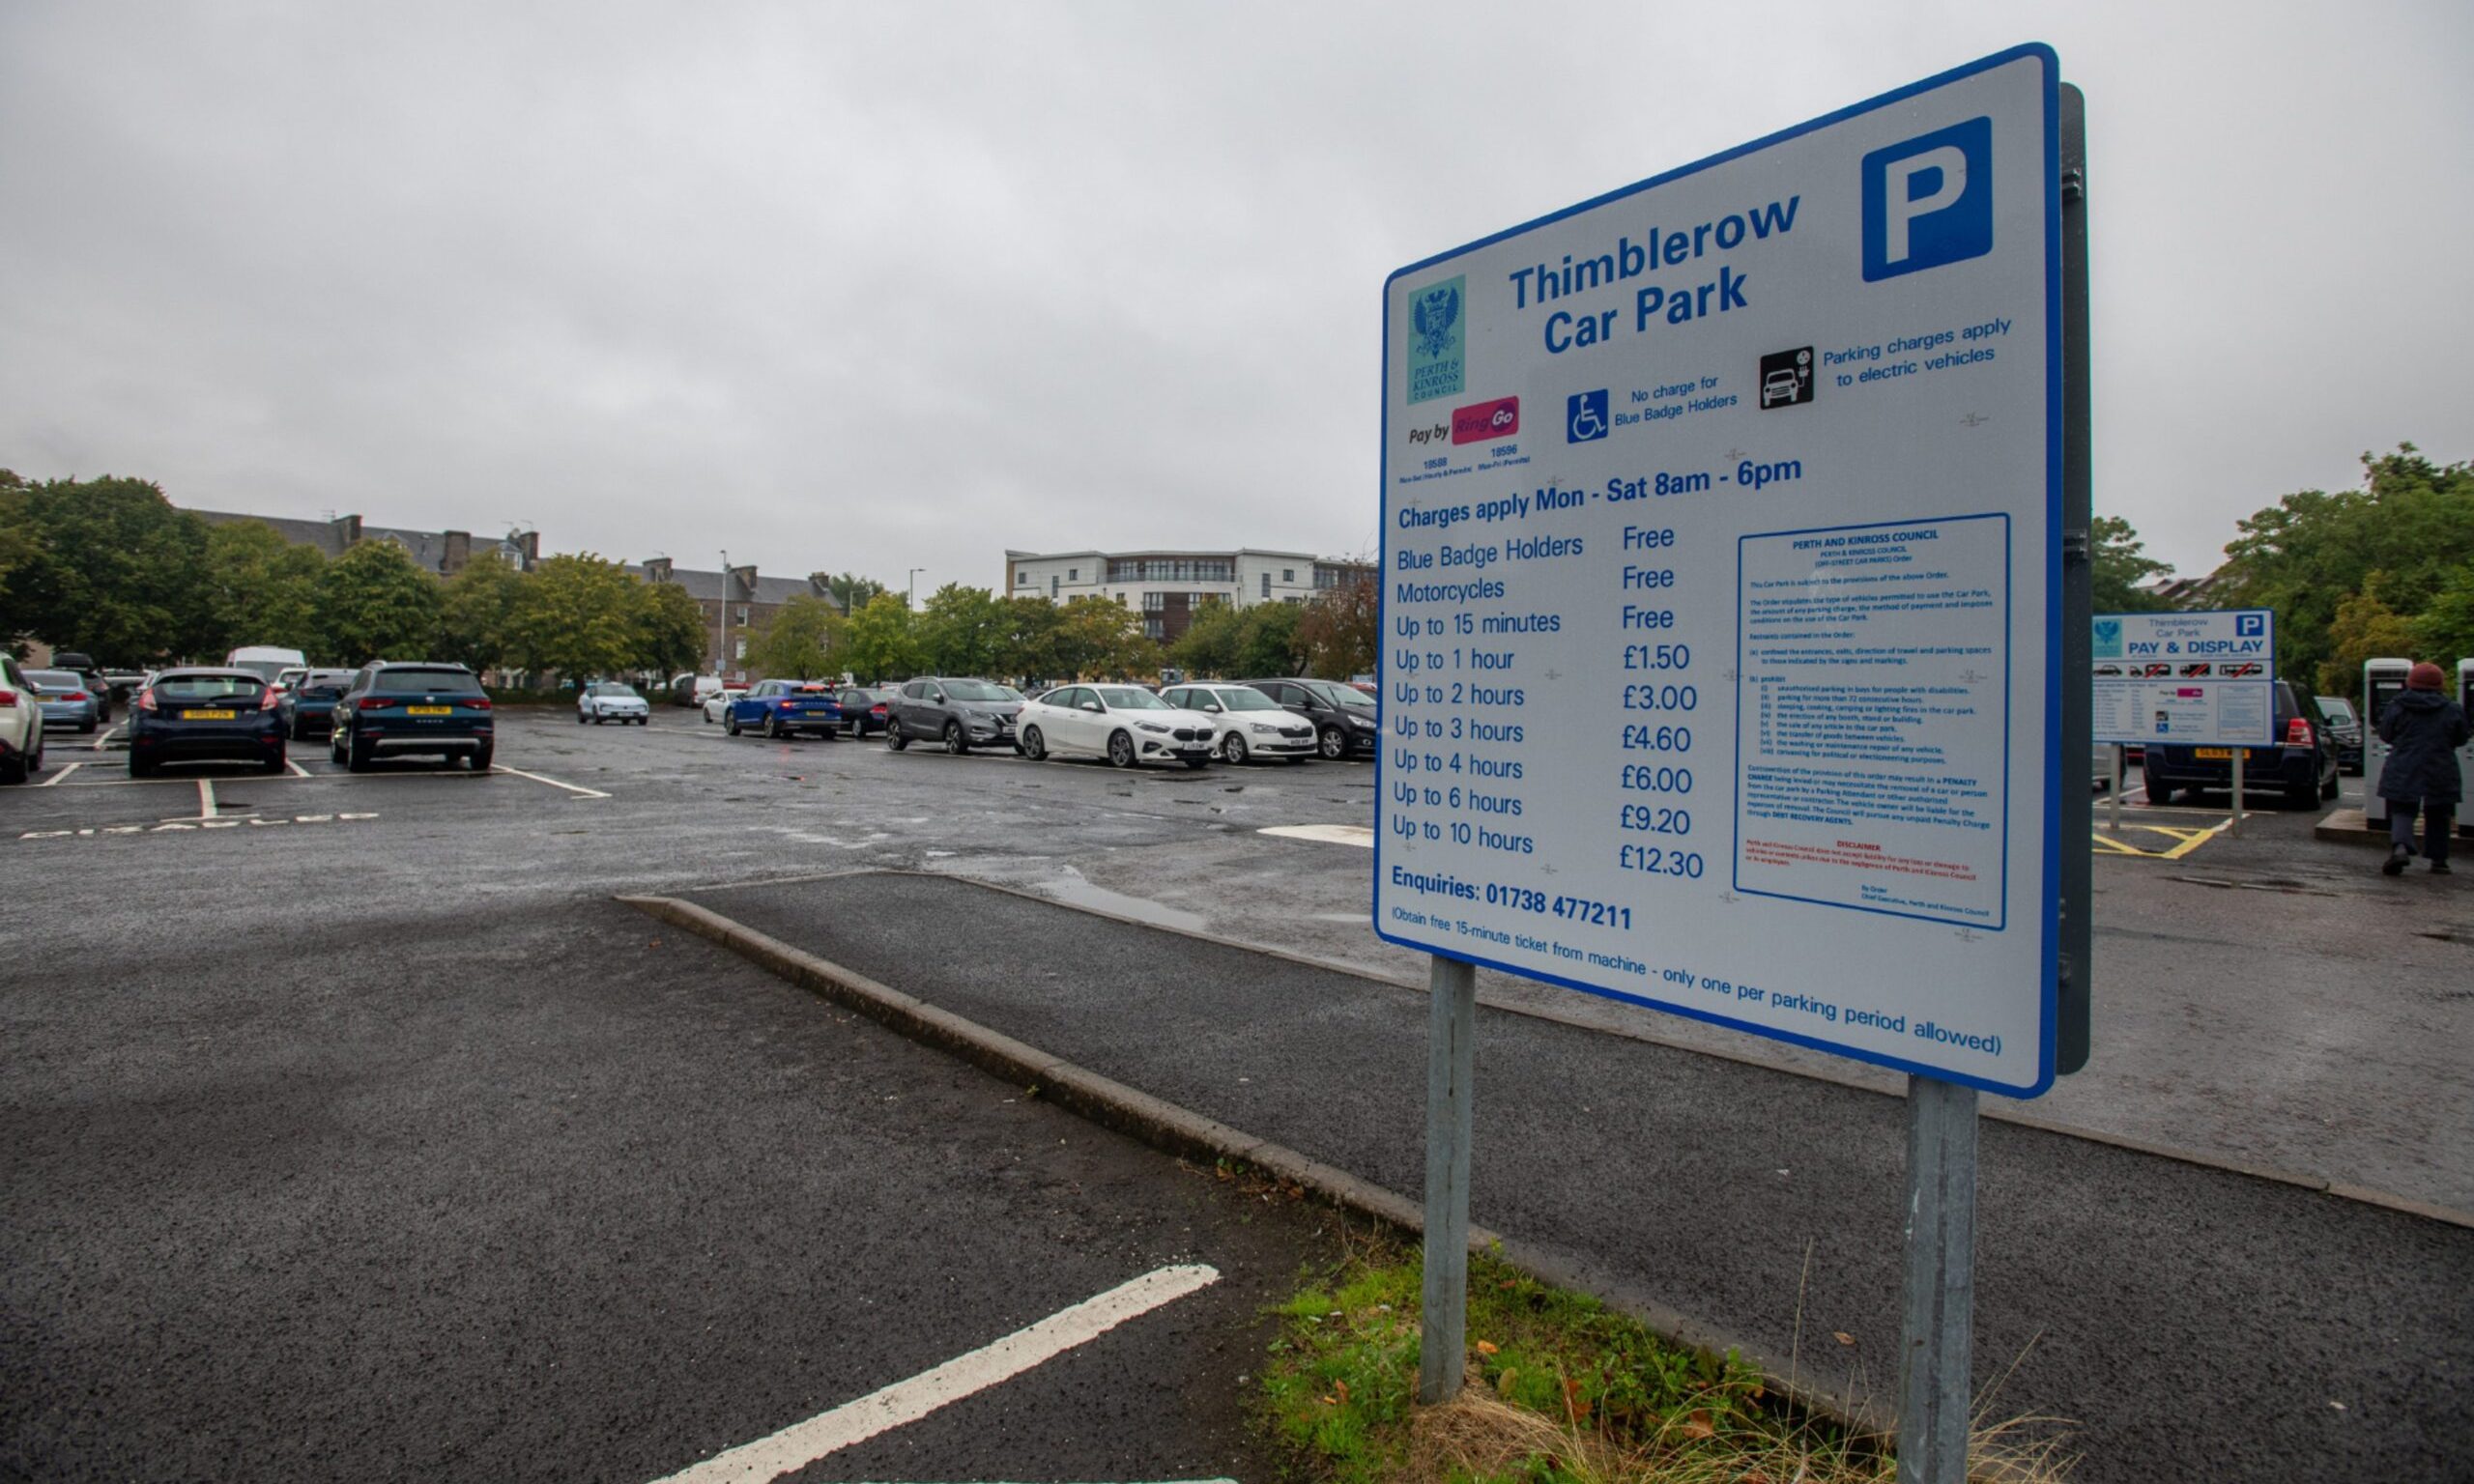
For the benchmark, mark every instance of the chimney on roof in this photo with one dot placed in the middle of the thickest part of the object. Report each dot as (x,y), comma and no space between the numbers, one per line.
(459,552)
(529,542)
(742,584)
(656,569)
(346,530)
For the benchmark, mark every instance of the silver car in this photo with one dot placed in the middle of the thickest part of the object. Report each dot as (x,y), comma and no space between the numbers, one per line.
(67,700)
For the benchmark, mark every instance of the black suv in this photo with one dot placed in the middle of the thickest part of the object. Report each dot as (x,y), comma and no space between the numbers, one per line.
(2302,766)
(400,708)
(1344,717)
(959,711)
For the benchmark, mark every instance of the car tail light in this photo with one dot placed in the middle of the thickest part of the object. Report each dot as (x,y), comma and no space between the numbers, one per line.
(7,698)
(2297,732)
(876,710)
(74,695)
(146,699)
(372,703)
(478,702)
(269,703)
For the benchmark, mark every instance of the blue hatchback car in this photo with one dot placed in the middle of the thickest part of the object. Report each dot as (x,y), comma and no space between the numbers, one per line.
(308,705)
(787,708)
(67,700)
(197,715)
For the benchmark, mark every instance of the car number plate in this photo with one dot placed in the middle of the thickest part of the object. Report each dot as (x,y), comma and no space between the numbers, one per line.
(209,716)
(2214,754)
(429,710)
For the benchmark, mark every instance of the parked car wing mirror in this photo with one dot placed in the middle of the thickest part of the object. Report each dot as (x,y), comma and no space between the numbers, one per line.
(1091,705)
(1214,709)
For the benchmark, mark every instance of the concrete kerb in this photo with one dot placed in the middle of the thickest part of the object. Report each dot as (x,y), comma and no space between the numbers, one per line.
(1991,1110)
(1188,1134)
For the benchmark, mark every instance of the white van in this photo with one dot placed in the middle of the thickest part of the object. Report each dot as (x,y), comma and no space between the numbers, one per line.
(264,661)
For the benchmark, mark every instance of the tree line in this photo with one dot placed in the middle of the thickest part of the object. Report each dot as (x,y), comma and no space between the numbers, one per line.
(971,631)
(110,568)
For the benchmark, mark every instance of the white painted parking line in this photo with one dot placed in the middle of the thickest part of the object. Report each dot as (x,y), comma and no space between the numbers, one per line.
(206,798)
(57,776)
(907,1401)
(1358,835)
(102,737)
(295,768)
(577,788)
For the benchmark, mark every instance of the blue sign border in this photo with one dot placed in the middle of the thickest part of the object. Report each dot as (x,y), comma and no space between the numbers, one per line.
(2049,973)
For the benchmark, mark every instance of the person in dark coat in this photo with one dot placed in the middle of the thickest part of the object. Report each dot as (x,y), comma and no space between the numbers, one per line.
(2424,730)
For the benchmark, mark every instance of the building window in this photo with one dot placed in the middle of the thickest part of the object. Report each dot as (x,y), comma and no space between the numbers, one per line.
(1154,602)
(742,615)
(1151,629)
(1267,585)
(1073,574)
(740,652)
(1172,569)
(1052,586)
(1288,574)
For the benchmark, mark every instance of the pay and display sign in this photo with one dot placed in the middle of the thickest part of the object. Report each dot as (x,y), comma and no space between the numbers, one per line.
(2186,679)
(1724,679)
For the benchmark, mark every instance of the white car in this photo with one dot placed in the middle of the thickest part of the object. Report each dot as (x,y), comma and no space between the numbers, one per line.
(1125,724)
(611,700)
(1248,723)
(20,725)
(717,705)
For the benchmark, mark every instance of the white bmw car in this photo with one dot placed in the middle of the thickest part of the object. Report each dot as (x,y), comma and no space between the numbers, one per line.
(1125,724)
(1246,723)
(717,705)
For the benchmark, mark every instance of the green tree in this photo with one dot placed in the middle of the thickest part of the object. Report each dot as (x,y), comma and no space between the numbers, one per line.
(1339,632)
(113,571)
(1268,643)
(878,643)
(962,631)
(260,588)
(1102,639)
(802,641)
(1035,642)
(2365,627)
(670,630)
(2445,631)
(478,613)
(850,592)
(2411,520)
(1209,647)
(375,603)
(2119,565)
(577,616)
(19,546)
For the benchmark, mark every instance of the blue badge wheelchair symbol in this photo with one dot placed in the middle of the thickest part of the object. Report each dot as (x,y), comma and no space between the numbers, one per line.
(1585,416)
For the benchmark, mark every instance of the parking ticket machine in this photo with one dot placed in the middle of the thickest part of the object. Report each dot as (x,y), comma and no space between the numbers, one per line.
(2382,681)
(2465,754)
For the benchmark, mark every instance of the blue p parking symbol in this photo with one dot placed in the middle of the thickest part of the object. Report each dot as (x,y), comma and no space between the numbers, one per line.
(1929,201)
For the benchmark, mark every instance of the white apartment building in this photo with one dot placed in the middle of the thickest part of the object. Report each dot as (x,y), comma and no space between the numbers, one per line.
(1168,587)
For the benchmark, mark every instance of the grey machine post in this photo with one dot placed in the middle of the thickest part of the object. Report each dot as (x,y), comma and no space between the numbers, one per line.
(1452,1027)
(1939,1309)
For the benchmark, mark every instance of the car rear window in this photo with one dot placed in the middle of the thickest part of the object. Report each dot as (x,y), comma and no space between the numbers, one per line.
(210,688)
(54,679)
(405,682)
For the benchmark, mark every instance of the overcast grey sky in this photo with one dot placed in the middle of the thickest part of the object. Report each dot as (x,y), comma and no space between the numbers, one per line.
(904,285)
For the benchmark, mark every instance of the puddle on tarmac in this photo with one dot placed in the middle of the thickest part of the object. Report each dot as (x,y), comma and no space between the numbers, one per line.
(1075,892)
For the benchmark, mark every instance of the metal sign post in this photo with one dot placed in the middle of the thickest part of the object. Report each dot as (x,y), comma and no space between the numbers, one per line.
(2233,826)
(2116,789)
(1936,1324)
(1452,1025)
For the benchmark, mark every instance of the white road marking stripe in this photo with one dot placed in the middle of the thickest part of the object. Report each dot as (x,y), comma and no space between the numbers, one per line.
(298,771)
(907,1401)
(57,776)
(206,798)
(1329,834)
(590,793)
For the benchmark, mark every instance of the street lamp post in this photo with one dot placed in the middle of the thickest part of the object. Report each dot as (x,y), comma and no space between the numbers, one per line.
(722,626)
(914,588)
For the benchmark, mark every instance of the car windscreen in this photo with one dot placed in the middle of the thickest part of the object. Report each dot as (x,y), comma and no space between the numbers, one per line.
(977,689)
(1243,698)
(425,682)
(1132,698)
(614,688)
(1349,695)
(2337,708)
(54,680)
(210,688)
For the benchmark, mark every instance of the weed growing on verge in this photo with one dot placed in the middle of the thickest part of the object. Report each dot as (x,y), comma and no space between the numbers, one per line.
(1561,1390)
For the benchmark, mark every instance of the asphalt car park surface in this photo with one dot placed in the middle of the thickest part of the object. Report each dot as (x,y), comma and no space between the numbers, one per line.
(282,1201)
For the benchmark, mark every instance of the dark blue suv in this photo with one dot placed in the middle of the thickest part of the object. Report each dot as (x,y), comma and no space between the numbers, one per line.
(398,709)
(2301,767)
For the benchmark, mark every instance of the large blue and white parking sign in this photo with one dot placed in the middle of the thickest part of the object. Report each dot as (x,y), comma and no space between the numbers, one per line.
(1726,679)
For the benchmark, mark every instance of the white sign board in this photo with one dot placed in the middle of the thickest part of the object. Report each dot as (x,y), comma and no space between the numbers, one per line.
(1721,588)
(2186,679)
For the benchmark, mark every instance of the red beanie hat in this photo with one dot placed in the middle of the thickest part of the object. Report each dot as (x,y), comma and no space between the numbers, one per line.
(2425,676)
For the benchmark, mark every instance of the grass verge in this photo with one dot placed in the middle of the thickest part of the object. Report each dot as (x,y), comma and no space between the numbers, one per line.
(1561,1390)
